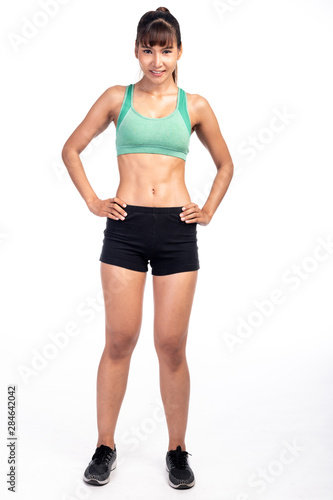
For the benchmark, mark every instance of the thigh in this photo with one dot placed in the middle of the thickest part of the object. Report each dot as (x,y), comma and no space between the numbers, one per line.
(123,291)
(173,299)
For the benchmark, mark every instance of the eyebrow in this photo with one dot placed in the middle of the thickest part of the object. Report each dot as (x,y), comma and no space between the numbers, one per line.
(147,47)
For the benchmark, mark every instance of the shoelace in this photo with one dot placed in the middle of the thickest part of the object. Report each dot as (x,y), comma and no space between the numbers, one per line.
(180,458)
(101,455)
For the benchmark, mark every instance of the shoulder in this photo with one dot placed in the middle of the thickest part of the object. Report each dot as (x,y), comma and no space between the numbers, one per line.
(196,100)
(116,90)
(112,98)
(198,107)
(115,93)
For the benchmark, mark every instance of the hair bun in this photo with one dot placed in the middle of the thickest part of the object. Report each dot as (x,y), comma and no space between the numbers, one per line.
(163,9)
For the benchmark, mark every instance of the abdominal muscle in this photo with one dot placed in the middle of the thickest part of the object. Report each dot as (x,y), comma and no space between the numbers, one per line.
(152,180)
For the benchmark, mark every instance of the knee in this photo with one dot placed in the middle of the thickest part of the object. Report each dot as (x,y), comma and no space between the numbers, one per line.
(171,351)
(120,344)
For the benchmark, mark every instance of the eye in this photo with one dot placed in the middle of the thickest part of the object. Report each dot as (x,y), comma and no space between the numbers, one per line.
(148,50)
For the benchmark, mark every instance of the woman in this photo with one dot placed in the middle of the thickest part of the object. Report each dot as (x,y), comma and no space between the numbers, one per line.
(151,219)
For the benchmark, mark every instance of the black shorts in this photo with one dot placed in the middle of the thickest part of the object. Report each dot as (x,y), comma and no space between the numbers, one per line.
(151,234)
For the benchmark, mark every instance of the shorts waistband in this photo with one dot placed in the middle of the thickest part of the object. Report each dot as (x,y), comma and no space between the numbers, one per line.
(154,210)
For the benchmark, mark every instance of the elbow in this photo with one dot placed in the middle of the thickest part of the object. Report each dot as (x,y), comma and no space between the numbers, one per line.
(63,154)
(227,168)
(231,170)
(67,153)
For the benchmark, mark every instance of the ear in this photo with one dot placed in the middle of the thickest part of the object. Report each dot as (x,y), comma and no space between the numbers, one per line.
(180,51)
(136,51)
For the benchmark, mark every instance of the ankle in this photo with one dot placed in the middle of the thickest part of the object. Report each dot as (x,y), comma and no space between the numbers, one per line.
(106,442)
(173,446)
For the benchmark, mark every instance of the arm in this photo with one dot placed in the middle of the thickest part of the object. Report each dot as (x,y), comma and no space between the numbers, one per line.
(96,121)
(209,133)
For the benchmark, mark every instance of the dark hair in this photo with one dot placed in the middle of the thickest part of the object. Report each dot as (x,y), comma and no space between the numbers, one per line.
(159,27)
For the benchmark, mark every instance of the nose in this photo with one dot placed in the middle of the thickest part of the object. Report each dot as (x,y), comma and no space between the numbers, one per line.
(157,60)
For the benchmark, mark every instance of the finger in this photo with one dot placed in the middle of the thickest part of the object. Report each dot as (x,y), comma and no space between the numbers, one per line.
(190,221)
(111,216)
(184,214)
(184,211)
(120,201)
(189,216)
(118,215)
(190,205)
(187,209)
(120,212)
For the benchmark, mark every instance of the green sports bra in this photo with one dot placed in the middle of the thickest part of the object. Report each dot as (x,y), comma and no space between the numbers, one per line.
(169,135)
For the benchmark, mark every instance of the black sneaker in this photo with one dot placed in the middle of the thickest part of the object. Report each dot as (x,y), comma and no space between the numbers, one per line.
(180,473)
(103,461)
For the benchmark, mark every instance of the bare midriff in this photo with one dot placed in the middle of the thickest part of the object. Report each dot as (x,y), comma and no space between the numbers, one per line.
(152,180)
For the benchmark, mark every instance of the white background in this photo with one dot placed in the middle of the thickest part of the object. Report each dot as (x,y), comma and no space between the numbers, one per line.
(255,392)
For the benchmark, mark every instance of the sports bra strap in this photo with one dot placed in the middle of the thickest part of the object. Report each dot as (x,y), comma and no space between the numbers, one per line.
(126,105)
(184,111)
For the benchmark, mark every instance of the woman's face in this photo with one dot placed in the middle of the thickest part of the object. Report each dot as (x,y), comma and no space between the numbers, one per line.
(158,63)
